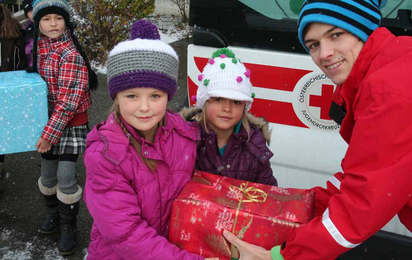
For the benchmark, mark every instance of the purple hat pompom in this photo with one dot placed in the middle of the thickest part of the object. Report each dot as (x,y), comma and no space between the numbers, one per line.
(144,29)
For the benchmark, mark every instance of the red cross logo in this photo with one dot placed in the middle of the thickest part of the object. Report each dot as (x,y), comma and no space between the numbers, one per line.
(323,101)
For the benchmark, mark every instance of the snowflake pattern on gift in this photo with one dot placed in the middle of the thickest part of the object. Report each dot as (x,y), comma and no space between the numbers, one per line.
(291,216)
(184,236)
(308,199)
(275,221)
(247,213)
(193,217)
(224,220)
(193,196)
(216,186)
(23,99)
(206,206)
(234,194)
(279,190)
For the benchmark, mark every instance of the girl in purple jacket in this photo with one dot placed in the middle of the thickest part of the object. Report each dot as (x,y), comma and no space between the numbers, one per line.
(141,157)
(29,30)
(233,142)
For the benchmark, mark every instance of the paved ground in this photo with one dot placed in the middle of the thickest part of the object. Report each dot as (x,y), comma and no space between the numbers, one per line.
(21,204)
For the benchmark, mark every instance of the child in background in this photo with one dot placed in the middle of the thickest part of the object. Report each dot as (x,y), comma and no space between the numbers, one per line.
(141,157)
(29,30)
(63,65)
(12,56)
(233,141)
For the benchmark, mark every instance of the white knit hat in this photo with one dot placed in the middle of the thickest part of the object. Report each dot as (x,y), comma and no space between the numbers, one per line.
(224,76)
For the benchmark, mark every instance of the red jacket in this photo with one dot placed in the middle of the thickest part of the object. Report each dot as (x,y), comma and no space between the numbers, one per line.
(375,184)
(66,75)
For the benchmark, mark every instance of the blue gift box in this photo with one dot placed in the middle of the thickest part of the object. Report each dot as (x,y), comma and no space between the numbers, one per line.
(23,111)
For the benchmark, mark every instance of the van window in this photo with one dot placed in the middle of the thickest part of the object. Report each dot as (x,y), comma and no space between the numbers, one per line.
(272,24)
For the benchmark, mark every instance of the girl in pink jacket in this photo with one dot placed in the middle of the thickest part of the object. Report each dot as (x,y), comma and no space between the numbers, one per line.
(141,157)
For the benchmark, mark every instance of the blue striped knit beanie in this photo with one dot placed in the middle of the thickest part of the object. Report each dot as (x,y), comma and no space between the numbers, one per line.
(359,17)
(143,61)
(44,7)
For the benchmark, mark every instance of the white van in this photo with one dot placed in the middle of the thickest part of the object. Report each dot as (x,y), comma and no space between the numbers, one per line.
(291,93)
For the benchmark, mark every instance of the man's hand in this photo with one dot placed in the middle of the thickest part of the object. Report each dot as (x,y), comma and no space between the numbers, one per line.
(247,251)
(43,146)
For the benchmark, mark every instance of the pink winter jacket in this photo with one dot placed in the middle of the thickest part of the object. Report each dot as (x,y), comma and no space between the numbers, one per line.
(130,205)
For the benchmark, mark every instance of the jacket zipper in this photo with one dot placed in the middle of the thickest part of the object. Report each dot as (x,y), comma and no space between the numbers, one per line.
(161,206)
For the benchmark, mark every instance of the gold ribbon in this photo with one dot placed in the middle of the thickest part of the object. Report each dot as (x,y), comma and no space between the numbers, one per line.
(251,194)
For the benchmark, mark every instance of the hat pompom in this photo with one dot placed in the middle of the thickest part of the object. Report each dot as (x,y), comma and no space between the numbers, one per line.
(143,29)
(247,73)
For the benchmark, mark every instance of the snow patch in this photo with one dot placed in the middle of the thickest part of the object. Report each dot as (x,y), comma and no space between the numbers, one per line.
(171,29)
(23,250)
(167,7)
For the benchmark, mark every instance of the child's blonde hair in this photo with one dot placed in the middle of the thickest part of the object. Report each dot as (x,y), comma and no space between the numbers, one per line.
(201,118)
(151,164)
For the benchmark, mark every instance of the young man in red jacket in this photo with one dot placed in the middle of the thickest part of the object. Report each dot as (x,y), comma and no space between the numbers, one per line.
(373,101)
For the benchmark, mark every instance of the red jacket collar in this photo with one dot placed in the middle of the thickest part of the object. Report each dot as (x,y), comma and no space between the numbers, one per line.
(345,94)
(49,43)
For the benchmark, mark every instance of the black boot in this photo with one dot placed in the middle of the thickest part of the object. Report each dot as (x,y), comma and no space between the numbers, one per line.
(68,237)
(51,219)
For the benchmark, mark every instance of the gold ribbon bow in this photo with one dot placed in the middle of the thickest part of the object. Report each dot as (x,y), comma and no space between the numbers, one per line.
(251,194)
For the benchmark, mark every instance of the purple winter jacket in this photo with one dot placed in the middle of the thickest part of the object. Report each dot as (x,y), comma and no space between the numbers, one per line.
(243,159)
(29,41)
(130,205)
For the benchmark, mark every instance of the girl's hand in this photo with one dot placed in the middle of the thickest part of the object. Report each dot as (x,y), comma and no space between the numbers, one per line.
(212,258)
(43,146)
(247,251)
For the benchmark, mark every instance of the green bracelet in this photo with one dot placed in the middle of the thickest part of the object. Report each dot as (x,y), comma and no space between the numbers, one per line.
(275,253)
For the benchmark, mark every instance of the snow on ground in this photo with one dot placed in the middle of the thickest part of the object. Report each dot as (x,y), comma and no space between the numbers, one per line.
(167,7)
(26,250)
(171,26)
(23,250)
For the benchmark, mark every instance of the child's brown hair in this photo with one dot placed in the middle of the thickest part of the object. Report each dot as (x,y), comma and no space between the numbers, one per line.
(9,27)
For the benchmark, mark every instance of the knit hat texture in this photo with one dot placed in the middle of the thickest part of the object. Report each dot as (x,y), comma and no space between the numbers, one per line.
(359,17)
(27,7)
(144,61)
(224,76)
(44,7)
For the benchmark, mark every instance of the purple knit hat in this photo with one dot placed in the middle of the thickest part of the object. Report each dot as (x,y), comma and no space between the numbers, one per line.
(143,62)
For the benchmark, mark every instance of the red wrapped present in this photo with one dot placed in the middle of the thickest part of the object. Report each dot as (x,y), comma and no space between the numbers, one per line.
(259,214)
